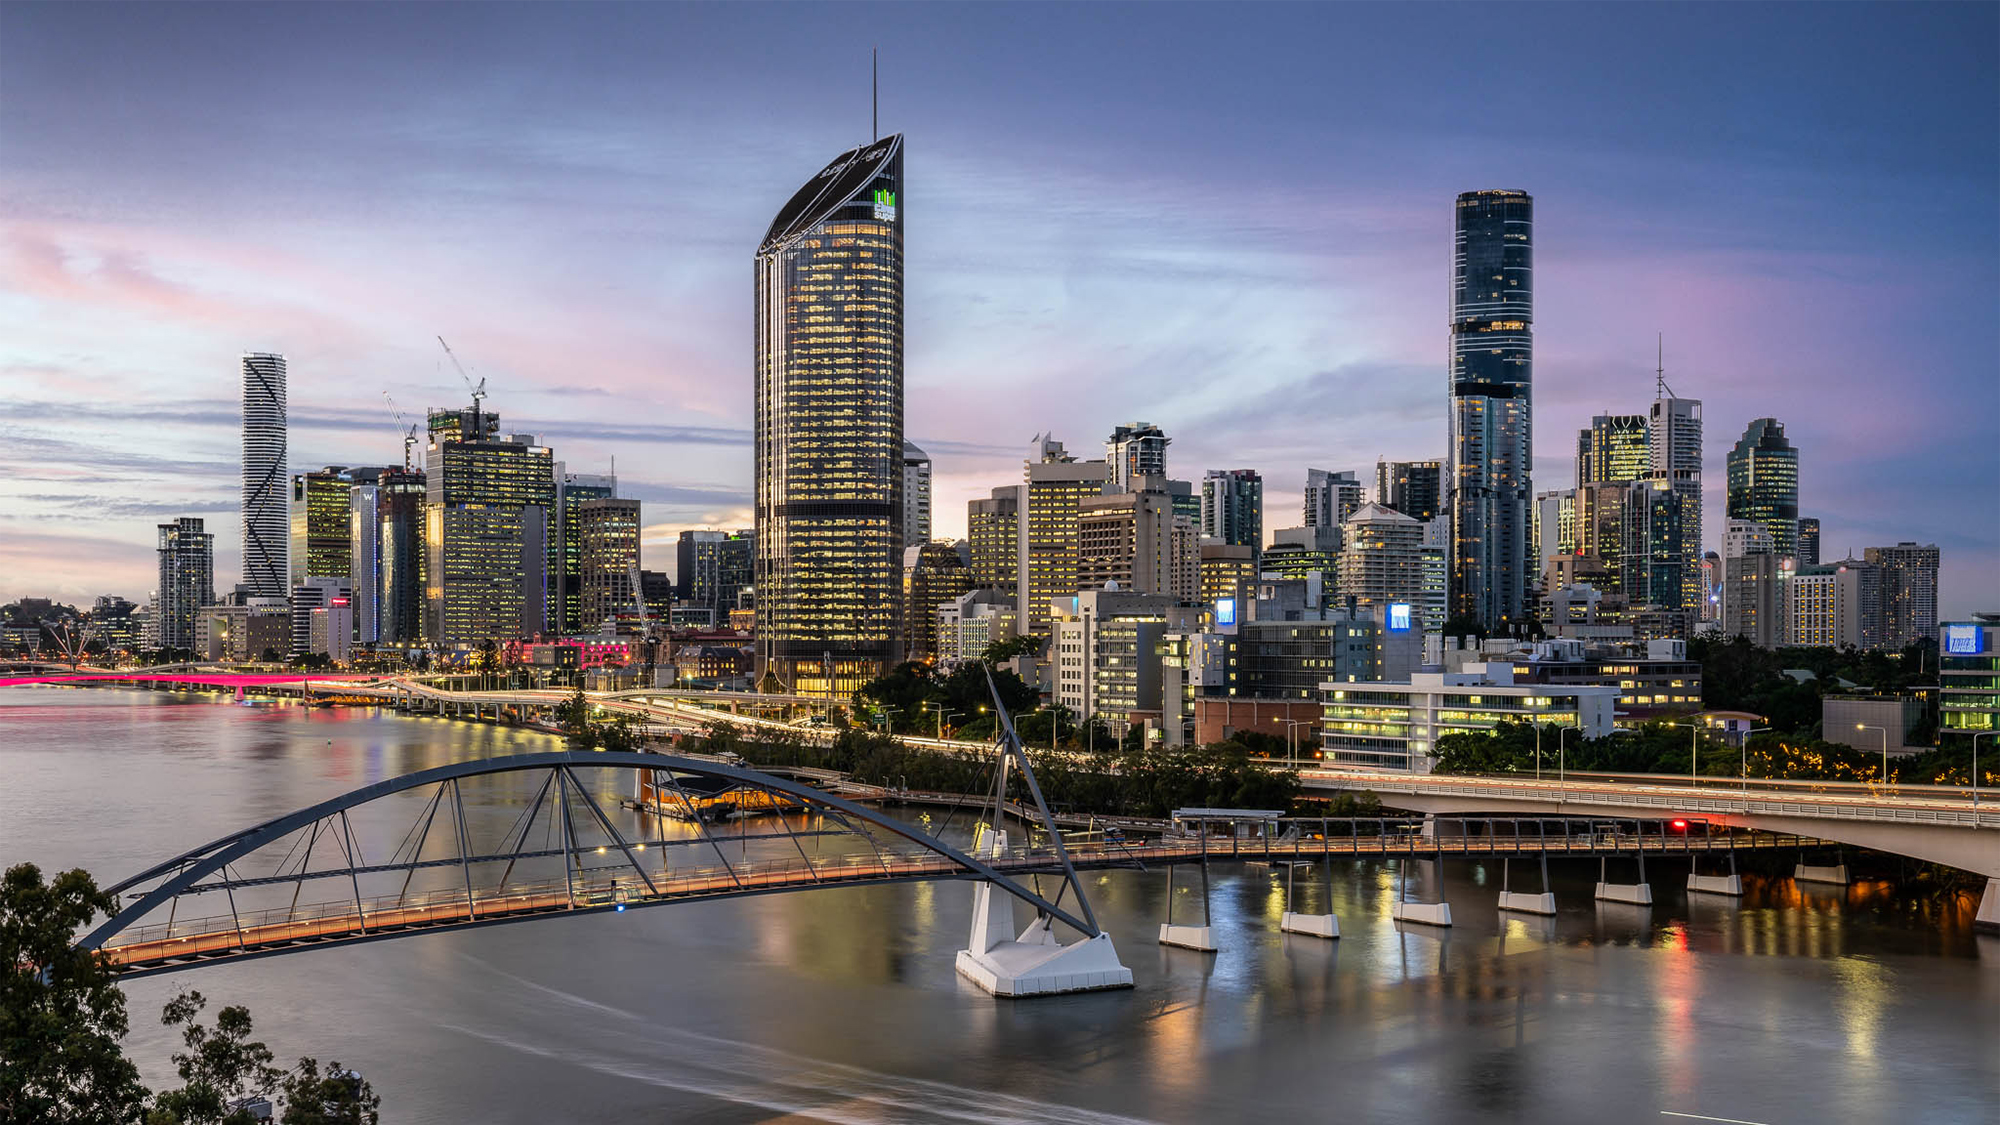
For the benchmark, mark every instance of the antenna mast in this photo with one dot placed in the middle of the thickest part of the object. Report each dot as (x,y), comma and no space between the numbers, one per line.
(1660,388)
(874,97)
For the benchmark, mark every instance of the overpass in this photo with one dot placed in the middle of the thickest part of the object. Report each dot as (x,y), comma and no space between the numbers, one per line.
(1937,824)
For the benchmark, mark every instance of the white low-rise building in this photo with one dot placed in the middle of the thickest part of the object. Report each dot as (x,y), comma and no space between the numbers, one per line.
(1397,725)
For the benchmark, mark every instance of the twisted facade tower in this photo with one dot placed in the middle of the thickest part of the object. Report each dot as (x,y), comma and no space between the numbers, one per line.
(266,526)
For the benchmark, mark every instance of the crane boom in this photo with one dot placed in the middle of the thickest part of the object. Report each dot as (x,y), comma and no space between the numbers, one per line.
(409,429)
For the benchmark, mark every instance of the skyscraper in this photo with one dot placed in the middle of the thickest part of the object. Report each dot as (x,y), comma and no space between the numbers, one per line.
(1492,356)
(1764,482)
(933,574)
(1133,451)
(916,495)
(1052,493)
(488,511)
(399,497)
(1808,541)
(1611,456)
(264,476)
(993,527)
(607,557)
(1330,498)
(829,427)
(322,524)
(1674,444)
(364,551)
(573,490)
(1232,508)
(1383,561)
(1909,591)
(187,580)
(1614,448)
(1414,488)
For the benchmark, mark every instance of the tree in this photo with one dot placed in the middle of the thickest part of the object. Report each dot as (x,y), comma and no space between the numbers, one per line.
(1000,652)
(61,1012)
(332,1097)
(220,1067)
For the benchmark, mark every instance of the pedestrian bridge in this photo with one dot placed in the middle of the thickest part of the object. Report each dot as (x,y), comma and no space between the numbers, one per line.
(1937,824)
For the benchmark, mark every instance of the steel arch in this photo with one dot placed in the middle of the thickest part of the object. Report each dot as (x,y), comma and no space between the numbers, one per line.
(185,871)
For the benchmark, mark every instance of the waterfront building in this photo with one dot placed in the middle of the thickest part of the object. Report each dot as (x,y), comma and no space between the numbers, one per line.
(829,427)
(916,495)
(1764,483)
(1654,677)
(1808,541)
(1330,498)
(608,531)
(187,582)
(934,574)
(317,594)
(399,496)
(993,531)
(1106,645)
(252,631)
(1135,540)
(1909,591)
(1414,488)
(330,630)
(1969,680)
(566,610)
(1381,561)
(488,504)
(364,552)
(1134,452)
(1491,382)
(1053,490)
(1391,725)
(322,524)
(265,521)
(1232,508)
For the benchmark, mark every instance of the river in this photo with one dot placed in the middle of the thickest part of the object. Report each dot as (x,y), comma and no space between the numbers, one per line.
(841,1005)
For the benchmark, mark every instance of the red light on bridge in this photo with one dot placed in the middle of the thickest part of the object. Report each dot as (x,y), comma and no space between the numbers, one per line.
(1680,825)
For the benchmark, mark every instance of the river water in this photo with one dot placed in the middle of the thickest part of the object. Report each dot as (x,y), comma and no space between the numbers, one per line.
(841,1005)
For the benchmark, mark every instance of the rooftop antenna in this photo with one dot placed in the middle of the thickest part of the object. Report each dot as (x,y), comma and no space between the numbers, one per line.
(1660,388)
(874,97)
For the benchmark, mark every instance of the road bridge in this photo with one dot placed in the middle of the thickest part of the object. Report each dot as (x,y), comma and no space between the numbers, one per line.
(1936,824)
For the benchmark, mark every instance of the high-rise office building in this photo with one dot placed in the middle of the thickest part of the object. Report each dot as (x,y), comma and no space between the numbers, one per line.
(187,581)
(1764,483)
(488,511)
(322,524)
(1909,591)
(993,528)
(1675,445)
(829,427)
(1330,498)
(1614,448)
(1492,359)
(1808,541)
(698,568)
(573,490)
(1135,451)
(1136,540)
(1414,488)
(607,557)
(1054,487)
(399,497)
(265,522)
(1555,525)
(934,574)
(1232,508)
(916,495)
(364,552)
(735,572)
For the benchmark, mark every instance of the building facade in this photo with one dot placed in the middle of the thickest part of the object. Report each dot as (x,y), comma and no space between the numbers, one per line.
(1053,491)
(1133,452)
(266,527)
(1491,384)
(1808,541)
(916,495)
(1764,483)
(608,531)
(1397,725)
(322,537)
(993,531)
(1675,443)
(1137,541)
(1330,498)
(187,582)
(1232,508)
(1414,488)
(573,490)
(829,427)
(935,574)
(488,504)
(1382,560)
(1969,680)
(1909,591)
(399,497)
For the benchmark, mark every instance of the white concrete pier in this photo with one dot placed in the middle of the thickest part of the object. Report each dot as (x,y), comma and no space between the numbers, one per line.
(1198,938)
(1034,963)
(1715,885)
(1988,918)
(1427,913)
(1806,873)
(1638,894)
(1311,925)
(1521,902)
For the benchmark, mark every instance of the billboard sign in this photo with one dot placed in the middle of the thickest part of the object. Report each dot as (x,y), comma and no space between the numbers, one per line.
(1964,640)
(1399,617)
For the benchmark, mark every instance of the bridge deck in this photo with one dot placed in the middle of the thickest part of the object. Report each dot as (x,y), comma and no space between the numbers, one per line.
(165,946)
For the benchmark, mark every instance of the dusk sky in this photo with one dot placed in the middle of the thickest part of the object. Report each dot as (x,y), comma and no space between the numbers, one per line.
(1232,221)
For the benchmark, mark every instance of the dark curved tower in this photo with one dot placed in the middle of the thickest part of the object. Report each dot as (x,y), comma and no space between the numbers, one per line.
(266,520)
(829,427)
(1764,483)
(1492,356)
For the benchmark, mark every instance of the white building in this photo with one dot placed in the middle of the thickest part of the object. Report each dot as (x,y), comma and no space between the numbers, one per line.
(1397,725)
(916,495)
(1107,652)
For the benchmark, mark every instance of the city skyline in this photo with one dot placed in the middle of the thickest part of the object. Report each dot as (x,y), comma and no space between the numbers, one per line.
(1324,349)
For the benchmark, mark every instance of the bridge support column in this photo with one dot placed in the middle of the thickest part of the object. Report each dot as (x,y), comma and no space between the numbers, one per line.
(1638,894)
(1728,884)
(1806,873)
(1198,938)
(1988,919)
(1033,964)
(1311,925)
(1428,913)
(1521,902)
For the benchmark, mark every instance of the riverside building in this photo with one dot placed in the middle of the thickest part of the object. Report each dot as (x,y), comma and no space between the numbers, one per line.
(265,570)
(829,445)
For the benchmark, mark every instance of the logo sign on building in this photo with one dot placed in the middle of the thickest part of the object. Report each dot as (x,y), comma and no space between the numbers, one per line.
(1225,613)
(1964,640)
(1399,617)
(885,205)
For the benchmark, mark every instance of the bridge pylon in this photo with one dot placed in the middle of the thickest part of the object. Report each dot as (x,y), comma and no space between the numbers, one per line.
(1032,962)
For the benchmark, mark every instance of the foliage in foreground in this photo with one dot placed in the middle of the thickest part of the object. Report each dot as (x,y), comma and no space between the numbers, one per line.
(62,1019)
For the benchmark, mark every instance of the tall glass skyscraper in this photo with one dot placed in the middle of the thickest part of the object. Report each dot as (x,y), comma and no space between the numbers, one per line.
(266,523)
(1492,356)
(829,427)
(1764,483)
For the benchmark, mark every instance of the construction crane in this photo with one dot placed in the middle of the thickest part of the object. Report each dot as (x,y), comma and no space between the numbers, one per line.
(409,429)
(478,390)
(639,599)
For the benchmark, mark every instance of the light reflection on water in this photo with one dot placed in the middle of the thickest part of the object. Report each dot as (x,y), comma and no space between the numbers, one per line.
(1791,1005)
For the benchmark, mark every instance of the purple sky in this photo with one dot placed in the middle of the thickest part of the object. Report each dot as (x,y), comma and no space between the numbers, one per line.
(1232,221)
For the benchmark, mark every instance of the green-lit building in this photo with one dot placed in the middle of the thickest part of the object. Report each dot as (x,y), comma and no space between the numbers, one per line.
(1764,483)
(322,524)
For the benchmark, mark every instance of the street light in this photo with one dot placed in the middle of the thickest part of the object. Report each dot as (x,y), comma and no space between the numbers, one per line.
(1743,747)
(1975,762)
(1884,732)
(1562,760)
(1291,735)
